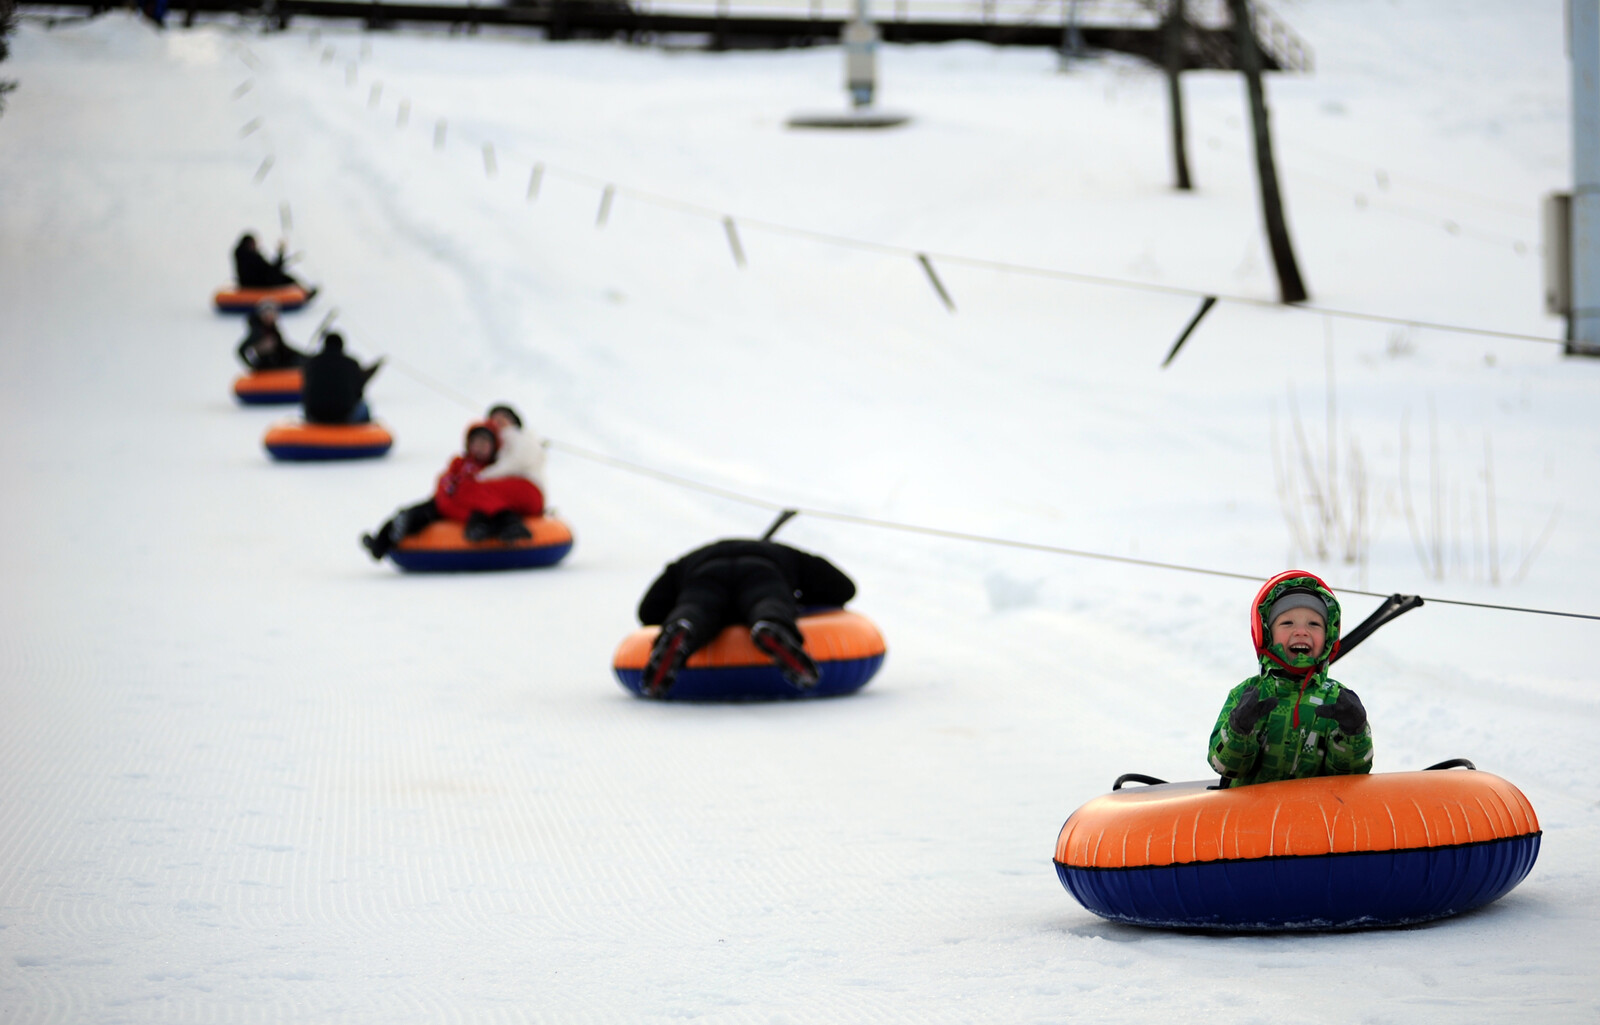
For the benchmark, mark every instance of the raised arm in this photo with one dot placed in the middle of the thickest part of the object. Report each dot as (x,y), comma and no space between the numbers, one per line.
(1235,748)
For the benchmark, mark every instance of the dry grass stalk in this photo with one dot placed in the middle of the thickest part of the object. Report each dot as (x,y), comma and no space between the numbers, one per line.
(1440,550)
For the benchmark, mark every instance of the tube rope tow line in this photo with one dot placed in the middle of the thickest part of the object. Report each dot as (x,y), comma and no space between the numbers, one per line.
(1393,607)
(783,517)
(1403,603)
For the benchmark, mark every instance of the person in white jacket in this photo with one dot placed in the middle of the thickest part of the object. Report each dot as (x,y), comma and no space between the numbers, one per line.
(521,450)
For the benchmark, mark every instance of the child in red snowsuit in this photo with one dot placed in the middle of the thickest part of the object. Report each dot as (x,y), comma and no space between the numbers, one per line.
(490,509)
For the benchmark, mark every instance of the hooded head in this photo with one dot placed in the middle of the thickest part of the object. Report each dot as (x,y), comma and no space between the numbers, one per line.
(333,341)
(483,430)
(1289,590)
(503,411)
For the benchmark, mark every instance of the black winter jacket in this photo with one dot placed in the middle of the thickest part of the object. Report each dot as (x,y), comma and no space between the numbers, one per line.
(255,271)
(281,357)
(815,580)
(331,386)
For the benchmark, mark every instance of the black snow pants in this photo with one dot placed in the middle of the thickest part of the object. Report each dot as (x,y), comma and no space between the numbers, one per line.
(721,592)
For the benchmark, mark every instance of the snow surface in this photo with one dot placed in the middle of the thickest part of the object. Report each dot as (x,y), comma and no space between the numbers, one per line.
(248,775)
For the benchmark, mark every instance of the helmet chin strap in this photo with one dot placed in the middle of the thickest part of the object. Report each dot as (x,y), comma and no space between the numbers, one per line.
(1305,672)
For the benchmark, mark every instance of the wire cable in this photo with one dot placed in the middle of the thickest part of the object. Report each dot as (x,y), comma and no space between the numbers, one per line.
(987,539)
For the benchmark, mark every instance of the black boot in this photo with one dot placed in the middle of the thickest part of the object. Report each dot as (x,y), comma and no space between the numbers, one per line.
(377,545)
(398,527)
(667,656)
(787,652)
(509,527)
(478,528)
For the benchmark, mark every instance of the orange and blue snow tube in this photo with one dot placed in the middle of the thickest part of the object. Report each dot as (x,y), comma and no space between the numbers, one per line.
(298,441)
(441,548)
(268,387)
(846,646)
(243,300)
(1331,852)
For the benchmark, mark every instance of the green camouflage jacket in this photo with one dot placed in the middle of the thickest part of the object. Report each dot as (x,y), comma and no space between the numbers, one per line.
(1291,742)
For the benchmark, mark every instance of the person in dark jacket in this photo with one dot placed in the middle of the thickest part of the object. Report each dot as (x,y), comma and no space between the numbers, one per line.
(760,583)
(410,519)
(253,270)
(332,385)
(263,347)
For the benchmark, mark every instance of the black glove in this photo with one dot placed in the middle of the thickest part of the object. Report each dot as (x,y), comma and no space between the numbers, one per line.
(1346,710)
(1251,709)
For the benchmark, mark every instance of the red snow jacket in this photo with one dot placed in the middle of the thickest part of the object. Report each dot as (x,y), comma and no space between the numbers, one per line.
(460,470)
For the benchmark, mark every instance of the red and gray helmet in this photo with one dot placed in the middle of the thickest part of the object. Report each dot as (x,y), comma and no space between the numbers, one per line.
(1285,590)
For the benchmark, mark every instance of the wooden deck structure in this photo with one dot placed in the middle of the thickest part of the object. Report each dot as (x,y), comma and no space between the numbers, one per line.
(1127,26)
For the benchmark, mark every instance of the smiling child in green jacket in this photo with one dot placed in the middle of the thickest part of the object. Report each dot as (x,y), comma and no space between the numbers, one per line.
(1291,721)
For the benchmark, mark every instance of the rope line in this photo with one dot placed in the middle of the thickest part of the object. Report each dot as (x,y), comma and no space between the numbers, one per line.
(430,381)
(667,476)
(989,539)
(1052,273)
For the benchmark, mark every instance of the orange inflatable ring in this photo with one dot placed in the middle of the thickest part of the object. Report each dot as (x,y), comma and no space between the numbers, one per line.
(1329,852)
(846,646)
(268,387)
(297,441)
(243,300)
(440,548)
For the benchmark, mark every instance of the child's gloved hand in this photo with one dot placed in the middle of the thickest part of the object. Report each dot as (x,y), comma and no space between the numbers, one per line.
(1250,710)
(1346,710)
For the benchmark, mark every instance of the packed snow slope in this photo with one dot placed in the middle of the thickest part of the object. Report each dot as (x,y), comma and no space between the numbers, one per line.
(248,775)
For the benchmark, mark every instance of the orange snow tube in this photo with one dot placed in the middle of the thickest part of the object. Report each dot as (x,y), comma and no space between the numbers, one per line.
(1328,852)
(297,441)
(268,387)
(243,300)
(847,647)
(441,548)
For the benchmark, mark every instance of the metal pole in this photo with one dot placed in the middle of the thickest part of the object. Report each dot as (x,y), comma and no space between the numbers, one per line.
(1174,52)
(1291,287)
(1071,37)
(1585,44)
(861,56)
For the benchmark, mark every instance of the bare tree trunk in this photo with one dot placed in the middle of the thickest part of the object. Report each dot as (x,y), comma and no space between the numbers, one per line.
(1290,287)
(1174,36)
